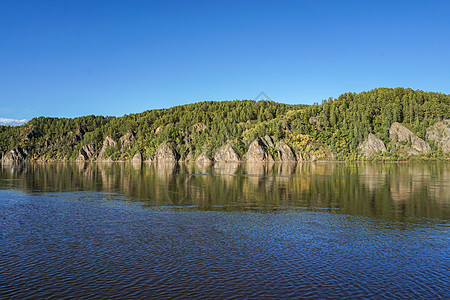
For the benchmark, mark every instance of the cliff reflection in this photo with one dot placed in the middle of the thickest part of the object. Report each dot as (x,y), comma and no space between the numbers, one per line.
(394,191)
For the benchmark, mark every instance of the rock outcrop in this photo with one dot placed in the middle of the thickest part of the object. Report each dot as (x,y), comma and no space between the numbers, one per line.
(199,127)
(372,146)
(285,152)
(258,152)
(189,156)
(166,153)
(87,152)
(226,154)
(127,141)
(203,158)
(108,142)
(137,158)
(14,156)
(399,133)
(268,141)
(316,123)
(439,133)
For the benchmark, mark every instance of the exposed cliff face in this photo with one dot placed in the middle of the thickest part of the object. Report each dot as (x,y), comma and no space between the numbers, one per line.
(371,146)
(268,141)
(258,152)
(439,133)
(137,158)
(14,156)
(86,153)
(166,153)
(226,154)
(203,159)
(285,152)
(108,142)
(414,145)
(127,141)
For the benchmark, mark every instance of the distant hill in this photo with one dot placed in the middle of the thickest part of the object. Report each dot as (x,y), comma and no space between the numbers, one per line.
(383,123)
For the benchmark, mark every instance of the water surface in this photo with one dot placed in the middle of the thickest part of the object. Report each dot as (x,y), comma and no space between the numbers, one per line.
(225,231)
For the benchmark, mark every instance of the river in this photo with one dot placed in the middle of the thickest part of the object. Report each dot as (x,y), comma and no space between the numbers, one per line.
(312,230)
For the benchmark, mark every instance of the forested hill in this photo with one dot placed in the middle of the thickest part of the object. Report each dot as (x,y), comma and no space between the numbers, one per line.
(383,123)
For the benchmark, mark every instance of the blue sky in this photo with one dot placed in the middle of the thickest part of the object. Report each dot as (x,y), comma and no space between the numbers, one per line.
(74,58)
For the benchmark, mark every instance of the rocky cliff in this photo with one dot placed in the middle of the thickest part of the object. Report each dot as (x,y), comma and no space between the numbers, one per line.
(108,142)
(166,153)
(226,153)
(86,153)
(14,156)
(403,139)
(372,146)
(258,152)
(439,133)
(127,141)
(285,152)
(336,129)
(203,158)
(137,158)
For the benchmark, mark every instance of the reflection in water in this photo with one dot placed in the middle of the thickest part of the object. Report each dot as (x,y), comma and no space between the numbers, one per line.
(393,191)
(326,231)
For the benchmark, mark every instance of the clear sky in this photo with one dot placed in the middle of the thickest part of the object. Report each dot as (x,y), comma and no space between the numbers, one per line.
(74,58)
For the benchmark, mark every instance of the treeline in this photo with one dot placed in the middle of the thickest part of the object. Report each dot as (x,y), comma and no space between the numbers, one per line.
(343,123)
(340,124)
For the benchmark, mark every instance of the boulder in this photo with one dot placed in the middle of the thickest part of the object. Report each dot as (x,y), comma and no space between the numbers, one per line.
(166,153)
(137,158)
(107,143)
(371,146)
(399,133)
(226,154)
(127,141)
(439,133)
(285,152)
(87,152)
(268,141)
(203,159)
(14,156)
(257,152)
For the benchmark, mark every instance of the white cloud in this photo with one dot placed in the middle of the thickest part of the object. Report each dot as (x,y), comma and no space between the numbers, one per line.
(12,122)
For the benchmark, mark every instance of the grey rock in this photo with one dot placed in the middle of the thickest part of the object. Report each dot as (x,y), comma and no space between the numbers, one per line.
(137,158)
(127,141)
(203,158)
(268,141)
(87,152)
(166,153)
(371,146)
(399,133)
(108,142)
(257,152)
(14,156)
(439,133)
(285,152)
(226,154)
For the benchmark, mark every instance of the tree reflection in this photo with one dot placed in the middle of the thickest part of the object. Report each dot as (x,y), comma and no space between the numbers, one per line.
(385,190)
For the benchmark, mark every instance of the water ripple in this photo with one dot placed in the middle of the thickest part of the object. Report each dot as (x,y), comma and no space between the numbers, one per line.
(65,248)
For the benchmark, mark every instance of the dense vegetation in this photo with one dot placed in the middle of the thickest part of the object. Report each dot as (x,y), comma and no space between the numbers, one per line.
(340,124)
